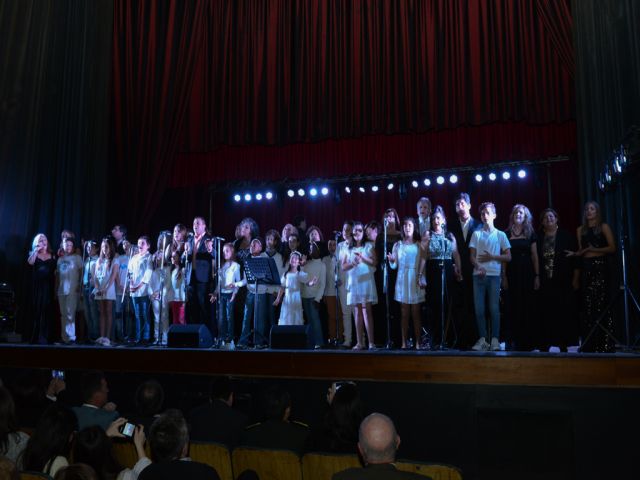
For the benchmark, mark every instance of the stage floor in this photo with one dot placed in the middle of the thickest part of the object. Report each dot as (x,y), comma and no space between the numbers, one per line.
(431,367)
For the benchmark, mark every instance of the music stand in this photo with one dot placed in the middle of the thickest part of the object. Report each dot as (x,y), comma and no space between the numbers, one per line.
(260,271)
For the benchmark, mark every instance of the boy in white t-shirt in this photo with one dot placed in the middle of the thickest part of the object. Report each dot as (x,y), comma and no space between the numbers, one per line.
(488,248)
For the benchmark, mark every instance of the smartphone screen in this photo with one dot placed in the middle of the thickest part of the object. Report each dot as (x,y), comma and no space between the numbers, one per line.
(57,374)
(128,429)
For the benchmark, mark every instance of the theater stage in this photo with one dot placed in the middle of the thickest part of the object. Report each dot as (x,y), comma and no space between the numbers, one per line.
(448,367)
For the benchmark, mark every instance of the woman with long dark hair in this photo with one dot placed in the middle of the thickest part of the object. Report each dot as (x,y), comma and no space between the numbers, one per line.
(48,448)
(595,244)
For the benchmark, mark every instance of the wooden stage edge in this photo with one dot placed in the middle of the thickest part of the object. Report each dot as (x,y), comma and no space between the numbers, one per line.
(452,367)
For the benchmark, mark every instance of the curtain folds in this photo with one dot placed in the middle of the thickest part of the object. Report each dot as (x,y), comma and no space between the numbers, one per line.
(155,47)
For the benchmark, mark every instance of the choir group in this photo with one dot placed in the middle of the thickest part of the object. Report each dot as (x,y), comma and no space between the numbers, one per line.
(421,282)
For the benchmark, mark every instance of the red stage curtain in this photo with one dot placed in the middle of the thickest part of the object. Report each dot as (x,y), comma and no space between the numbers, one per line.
(382,85)
(155,45)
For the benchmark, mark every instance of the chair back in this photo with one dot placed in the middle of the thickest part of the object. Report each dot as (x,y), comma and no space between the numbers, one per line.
(124,453)
(213,454)
(437,471)
(322,466)
(34,476)
(268,464)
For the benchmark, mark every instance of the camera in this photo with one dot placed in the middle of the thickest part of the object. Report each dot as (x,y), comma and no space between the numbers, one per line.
(127,429)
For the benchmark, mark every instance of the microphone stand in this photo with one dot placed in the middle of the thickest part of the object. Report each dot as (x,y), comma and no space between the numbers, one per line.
(335,341)
(160,328)
(385,288)
(441,264)
(220,319)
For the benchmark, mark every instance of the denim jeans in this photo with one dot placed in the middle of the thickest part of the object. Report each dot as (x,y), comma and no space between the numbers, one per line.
(312,312)
(482,287)
(122,315)
(225,322)
(260,319)
(141,309)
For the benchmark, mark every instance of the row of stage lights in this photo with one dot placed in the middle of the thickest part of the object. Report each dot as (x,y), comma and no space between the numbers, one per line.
(614,168)
(324,191)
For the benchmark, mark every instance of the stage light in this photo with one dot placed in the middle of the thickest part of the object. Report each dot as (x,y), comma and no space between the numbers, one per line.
(427,182)
(301,192)
(440,180)
(492,177)
(608,177)
(258,196)
(324,191)
(453,178)
(247,197)
(313,192)
(290,193)
(375,188)
(478,177)
(347,189)
(237,197)
(414,184)
(522,173)
(506,175)
(269,195)
(361,189)
(390,186)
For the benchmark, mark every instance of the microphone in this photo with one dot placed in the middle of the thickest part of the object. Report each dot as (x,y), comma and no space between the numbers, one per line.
(221,239)
(386,222)
(165,233)
(336,233)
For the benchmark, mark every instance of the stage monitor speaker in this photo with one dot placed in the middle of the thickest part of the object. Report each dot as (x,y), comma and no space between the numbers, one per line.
(189,336)
(290,337)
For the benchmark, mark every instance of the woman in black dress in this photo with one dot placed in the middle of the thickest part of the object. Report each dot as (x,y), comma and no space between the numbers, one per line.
(556,315)
(42,285)
(520,279)
(595,244)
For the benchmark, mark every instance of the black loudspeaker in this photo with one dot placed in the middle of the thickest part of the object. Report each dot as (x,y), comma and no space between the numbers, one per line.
(189,336)
(290,337)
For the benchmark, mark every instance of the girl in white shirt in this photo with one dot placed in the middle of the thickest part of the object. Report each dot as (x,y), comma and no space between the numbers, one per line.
(228,284)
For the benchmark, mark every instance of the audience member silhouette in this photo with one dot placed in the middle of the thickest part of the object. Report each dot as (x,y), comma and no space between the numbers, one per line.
(378,443)
(169,440)
(96,409)
(217,420)
(49,447)
(339,431)
(277,431)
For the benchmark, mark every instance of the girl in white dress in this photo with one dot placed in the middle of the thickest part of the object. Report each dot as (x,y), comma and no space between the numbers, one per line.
(408,256)
(291,312)
(359,265)
(104,279)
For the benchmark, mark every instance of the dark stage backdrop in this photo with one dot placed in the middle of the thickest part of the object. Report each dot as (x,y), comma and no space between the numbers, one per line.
(608,74)
(200,89)
(54,125)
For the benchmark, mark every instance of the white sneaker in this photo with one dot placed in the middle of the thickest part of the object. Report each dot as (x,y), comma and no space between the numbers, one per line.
(106,342)
(481,345)
(495,344)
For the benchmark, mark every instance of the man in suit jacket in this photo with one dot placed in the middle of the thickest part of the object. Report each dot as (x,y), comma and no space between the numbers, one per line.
(217,420)
(378,443)
(169,441)
(462,228)
(96,409)
(277,431)
(199,272)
